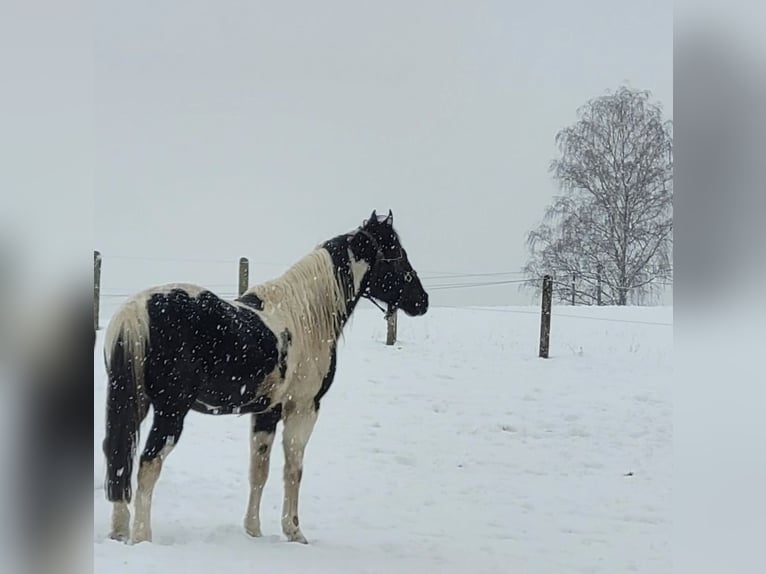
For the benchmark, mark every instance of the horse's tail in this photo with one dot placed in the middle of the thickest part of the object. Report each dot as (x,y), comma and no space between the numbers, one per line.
(125,347)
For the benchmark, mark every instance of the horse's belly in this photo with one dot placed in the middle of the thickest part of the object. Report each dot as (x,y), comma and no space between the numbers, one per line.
(235,396)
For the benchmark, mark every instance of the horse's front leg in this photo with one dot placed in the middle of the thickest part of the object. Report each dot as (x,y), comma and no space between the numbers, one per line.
(298,426)
(263,429)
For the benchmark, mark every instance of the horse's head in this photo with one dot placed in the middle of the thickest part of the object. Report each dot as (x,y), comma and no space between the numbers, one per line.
(391,278)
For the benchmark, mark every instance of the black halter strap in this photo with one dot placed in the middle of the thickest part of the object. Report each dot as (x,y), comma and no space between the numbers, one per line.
(375,244)
(378,248)
(386,313)
(378,257)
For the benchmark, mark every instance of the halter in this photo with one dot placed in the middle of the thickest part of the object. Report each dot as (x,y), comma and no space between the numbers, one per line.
(379,257)
(379,251)
(387,314)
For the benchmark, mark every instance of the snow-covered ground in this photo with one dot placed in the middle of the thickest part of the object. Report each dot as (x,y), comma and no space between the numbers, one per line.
(457,450)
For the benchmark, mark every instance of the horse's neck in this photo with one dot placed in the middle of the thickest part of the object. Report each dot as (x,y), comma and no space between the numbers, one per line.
(329,281)
(308,296)
(351,273)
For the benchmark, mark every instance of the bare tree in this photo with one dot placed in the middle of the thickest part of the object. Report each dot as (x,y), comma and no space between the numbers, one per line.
(613,225)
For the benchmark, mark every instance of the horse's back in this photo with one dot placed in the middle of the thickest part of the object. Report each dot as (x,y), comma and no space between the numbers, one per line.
(204,349)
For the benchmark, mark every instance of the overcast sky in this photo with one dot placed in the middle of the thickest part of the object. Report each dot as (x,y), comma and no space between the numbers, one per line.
(259,129)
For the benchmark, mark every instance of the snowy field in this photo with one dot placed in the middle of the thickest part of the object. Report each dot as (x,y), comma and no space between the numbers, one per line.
(457,450)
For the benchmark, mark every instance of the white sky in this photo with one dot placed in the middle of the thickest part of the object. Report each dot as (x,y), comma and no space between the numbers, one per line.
(259,129)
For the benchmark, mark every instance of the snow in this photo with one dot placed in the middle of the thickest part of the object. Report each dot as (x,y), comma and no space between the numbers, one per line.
(456,450)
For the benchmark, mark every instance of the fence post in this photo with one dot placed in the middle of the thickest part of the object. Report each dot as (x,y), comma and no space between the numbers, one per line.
(545,317)
(96,287)
(391,331)
(244,275)
(598,279)
(574,277)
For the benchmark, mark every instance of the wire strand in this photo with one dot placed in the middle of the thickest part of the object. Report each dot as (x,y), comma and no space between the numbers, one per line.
(567,315)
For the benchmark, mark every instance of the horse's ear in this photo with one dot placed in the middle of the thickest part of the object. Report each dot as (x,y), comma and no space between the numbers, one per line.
(390,218)
(373,217)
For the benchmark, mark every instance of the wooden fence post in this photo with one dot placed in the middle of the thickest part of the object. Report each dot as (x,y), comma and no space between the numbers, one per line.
(545,317)
(391,331)
(574,277)
(599,270)
(96,287)
(244,275)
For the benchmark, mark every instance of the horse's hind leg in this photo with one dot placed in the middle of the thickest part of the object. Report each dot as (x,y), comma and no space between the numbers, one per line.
(120,521)
(120,510)
(166,430)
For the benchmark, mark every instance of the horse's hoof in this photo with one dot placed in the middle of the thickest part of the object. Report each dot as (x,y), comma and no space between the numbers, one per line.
(119,536)
(142,537)
(297,537)
(254,532)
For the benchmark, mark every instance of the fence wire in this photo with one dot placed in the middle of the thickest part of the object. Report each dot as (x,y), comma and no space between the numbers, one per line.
(433,281)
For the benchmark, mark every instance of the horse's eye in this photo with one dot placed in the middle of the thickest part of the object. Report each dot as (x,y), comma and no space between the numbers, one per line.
(407,276)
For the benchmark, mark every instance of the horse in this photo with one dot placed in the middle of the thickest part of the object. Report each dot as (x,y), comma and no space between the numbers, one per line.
(270,353)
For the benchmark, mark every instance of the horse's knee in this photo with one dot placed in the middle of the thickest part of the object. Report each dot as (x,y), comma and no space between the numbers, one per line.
(293,474)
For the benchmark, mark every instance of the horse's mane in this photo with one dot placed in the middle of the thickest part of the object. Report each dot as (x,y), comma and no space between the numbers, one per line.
(310,297)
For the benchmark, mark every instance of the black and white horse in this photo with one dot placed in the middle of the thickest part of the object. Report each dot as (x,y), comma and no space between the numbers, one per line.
(270,353)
